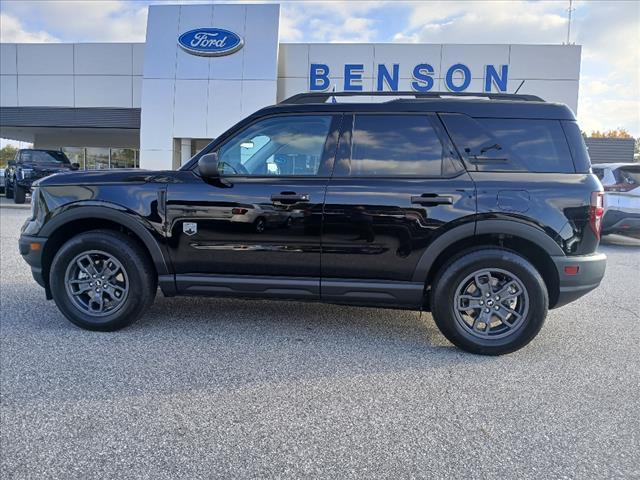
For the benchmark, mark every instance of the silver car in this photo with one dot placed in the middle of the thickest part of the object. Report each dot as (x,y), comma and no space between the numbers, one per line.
(621,182)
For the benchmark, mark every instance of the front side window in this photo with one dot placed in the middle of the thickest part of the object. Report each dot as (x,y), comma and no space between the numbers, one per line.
(395,145)
(278,146)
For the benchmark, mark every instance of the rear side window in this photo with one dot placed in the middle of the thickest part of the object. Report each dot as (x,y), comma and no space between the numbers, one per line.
(509,144)
(395,145)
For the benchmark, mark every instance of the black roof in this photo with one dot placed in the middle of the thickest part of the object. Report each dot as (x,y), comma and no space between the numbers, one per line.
(473,104)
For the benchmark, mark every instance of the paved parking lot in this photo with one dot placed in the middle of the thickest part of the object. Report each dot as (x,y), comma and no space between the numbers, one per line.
(204,388)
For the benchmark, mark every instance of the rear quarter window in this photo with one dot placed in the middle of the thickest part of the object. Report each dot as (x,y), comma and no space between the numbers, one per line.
(579,151)
(509,144)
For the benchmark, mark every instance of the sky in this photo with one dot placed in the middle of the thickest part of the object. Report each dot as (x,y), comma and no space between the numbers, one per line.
(609,32)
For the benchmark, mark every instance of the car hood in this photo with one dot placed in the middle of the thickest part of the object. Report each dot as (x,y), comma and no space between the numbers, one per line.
(98,177)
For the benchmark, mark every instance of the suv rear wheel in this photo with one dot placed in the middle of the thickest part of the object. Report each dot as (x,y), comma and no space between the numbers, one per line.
(490,301)
(102,280)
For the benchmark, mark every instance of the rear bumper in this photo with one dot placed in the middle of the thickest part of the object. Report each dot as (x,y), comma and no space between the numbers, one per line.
(589,275)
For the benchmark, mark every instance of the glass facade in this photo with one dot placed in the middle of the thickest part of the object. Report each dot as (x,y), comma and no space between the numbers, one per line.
(124,158)
(97,158)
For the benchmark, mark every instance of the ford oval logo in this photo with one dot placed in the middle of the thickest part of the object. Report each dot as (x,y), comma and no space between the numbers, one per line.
(210,42)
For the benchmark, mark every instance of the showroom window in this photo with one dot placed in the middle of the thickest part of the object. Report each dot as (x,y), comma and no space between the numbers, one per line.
(124,158)
(98,158)
(75,155)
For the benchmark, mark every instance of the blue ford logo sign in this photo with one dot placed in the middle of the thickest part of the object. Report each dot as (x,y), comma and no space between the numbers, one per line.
(210,42)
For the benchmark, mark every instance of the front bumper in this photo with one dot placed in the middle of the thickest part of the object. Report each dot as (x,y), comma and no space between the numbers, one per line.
(590,271)
(31,249)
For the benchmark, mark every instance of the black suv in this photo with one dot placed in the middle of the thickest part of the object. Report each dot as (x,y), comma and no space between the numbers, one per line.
(30,165)
(483,211)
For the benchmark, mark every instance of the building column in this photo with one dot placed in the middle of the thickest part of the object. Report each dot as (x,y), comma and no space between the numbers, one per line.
(185,150)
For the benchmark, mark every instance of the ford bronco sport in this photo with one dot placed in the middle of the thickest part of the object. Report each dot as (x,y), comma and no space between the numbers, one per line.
(479,208)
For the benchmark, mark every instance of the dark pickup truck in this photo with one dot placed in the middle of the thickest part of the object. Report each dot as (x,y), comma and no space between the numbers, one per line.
(30,165)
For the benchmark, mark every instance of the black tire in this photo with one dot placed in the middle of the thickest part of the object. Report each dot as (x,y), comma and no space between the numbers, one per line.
(140,274)
(455,274)
(8,192)
(19,193)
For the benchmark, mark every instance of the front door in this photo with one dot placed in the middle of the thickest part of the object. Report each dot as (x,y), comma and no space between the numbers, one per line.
(256,229)
(397,185)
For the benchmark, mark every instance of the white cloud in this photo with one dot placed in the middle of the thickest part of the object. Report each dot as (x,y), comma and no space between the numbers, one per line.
(289,29)
(486,22)
(76,21)
(12,31)
(331,21)
(609,32)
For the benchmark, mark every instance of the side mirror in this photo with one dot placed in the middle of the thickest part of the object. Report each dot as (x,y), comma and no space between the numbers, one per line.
(11,163)
(75,166)
(208,165)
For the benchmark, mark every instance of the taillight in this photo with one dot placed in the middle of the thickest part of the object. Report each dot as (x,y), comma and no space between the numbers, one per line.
(619,187)
(596,212)
(239,211)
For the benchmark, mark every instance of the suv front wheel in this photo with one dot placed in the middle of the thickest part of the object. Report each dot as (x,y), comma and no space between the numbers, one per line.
(8,191)
(491,301)
(19,193)
(102,280)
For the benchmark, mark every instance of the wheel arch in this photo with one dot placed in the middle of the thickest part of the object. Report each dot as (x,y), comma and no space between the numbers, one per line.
(80,219)
(532,243)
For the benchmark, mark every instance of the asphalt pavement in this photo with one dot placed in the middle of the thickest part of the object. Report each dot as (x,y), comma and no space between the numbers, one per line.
(210,388)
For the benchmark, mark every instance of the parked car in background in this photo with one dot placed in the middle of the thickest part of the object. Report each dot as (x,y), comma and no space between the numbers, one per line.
(31,165)
(621,183)
(2,179)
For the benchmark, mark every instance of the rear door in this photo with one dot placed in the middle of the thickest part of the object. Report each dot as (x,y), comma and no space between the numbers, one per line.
(397,185)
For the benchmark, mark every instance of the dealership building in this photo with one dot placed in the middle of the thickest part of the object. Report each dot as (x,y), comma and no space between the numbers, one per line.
(202,68)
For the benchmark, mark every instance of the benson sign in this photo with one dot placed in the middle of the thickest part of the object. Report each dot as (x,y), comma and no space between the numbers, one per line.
(457,77)
(210,42)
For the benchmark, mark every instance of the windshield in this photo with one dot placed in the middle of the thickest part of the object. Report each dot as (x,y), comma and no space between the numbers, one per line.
(43,156)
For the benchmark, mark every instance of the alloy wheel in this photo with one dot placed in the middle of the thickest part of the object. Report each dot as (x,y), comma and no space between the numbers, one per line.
(491,303)
(96,283)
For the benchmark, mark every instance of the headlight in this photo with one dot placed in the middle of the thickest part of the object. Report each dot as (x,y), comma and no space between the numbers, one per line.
(26,173)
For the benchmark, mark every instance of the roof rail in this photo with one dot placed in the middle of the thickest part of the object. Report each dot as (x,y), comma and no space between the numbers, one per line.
(322,97)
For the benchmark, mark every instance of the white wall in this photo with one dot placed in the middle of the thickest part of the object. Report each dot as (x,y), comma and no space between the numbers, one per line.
(189,96)
(550,71)
(71,75)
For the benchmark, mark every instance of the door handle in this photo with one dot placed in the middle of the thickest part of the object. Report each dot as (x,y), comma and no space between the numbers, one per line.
(432,199)
(290,197)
